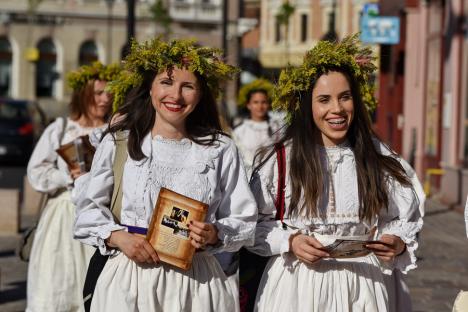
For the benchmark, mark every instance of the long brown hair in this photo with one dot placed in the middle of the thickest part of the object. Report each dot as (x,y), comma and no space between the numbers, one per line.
(202,125)
(82,99)
(306,173)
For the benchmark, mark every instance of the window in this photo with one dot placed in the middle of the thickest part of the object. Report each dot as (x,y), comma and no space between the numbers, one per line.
(5,66)
(277,31)
(304,28)
(46,68)
(88,53)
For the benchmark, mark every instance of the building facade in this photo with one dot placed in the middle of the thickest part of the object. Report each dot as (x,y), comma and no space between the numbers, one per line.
(435,128)
(311,21)
(39,46)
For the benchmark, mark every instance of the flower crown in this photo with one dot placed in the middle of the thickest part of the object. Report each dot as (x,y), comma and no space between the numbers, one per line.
(157,55)
(347,54)
(257,84)
(96,71)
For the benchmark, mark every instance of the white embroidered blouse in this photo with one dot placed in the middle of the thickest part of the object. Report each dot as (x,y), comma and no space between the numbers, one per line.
(211,174)
(339,213)
(252,135)
(47,171)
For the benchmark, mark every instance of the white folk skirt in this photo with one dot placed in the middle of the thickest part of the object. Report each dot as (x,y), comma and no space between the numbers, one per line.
(126,286)
(58,263)
(328,285)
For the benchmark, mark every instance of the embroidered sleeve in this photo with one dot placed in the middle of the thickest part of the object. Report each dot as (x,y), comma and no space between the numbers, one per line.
(236,213)
(94,221)
(43,172)
(403,219)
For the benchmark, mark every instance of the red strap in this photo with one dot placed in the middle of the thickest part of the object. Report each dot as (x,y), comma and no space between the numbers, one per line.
(281,160)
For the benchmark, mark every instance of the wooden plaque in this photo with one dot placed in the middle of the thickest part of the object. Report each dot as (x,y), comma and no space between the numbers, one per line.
(78,153)
(168,232)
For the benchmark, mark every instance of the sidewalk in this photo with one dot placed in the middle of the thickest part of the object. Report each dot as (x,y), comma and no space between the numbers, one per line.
(442,268)
(443,260)
(13,274)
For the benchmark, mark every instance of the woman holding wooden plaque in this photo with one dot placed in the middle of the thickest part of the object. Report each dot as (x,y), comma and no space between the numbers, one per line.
(57,264)
(169,122)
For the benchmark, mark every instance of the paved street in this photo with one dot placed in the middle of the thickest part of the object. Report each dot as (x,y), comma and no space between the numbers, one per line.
(443,267)
(442,271)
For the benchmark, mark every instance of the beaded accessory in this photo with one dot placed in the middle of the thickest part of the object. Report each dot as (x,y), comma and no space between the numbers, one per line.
(347,54)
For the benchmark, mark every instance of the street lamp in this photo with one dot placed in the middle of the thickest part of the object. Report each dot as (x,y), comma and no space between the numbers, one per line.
(331,34)
(110,6)
(130,26)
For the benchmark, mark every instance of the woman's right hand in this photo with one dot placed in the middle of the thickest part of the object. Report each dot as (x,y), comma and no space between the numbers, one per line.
(307,249)
(135,247)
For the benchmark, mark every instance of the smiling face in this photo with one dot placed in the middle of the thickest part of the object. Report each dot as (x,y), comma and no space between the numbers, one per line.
(174,96)
(102,101)
(332,107)
(258,105)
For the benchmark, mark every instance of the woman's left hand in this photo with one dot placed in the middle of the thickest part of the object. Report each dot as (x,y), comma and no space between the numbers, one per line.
(391,247)
(202,234)
(75,173)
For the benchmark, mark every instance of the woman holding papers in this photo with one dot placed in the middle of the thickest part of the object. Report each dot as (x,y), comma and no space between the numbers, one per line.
(58,263)
(168,115)
(339,191)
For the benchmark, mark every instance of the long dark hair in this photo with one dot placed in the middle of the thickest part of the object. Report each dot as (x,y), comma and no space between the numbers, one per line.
(138,116)
(306,173)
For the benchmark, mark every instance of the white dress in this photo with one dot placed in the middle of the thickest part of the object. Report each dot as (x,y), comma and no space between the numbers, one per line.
(330,284)
(58,263)
(211,174)
(251,135)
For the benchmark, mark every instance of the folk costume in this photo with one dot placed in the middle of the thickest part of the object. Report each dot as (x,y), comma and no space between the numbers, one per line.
(209,173)
(58,263)
(330,284)
(250,135)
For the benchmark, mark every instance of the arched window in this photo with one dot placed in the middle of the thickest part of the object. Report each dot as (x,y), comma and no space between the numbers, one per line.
(46,68)
(88,53)
(5,66)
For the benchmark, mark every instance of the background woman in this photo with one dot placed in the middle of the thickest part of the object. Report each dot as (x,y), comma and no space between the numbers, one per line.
(338,185)
(259,130)
(58,263)
(169,117)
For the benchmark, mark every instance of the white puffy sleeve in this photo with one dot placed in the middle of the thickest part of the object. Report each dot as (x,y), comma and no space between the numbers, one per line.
(270,236)
(236,212)
(402,219)
(94,221)
(43,171)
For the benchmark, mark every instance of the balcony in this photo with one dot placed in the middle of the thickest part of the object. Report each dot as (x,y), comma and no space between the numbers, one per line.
(196,11)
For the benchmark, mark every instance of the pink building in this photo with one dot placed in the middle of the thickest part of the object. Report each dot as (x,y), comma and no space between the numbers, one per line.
(435,109)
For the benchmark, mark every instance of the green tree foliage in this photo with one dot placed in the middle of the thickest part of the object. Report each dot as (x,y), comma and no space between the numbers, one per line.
(161,16)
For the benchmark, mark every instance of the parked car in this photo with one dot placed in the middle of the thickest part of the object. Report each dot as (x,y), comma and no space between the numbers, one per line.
(21,124)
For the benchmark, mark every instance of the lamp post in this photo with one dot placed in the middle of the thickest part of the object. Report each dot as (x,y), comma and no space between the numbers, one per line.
(331,34)
(110,6)
(130,26)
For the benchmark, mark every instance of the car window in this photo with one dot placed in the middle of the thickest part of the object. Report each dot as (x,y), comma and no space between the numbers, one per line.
(12,111)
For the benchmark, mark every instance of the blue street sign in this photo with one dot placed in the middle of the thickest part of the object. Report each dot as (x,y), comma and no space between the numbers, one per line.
(380,29)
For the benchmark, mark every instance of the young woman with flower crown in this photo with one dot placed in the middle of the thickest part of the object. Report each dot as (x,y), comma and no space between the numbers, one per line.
(57,265)
(259,130)
(340,182)
(170,120)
